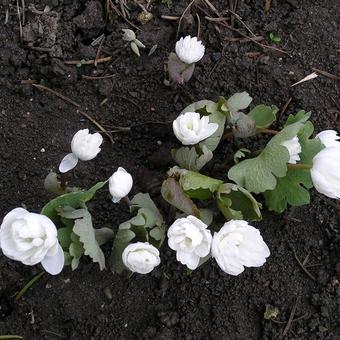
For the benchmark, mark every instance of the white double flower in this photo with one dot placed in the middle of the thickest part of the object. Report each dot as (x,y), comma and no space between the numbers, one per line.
(190,128)
(31,239)
(189,50)
(191,240)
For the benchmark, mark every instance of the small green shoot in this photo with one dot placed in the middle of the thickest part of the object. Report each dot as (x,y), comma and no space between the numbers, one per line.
(27,287)
(273,38)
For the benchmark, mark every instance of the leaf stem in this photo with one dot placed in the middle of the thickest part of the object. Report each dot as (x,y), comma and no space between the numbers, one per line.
(299,166)
(28,286)
(230,134)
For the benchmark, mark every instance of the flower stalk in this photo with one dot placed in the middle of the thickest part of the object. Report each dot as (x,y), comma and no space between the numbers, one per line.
(300,166)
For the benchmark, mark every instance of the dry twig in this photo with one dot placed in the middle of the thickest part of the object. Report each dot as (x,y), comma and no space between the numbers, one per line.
(326,74)
(87,62)
(85,114)
(291,317)
(182,16)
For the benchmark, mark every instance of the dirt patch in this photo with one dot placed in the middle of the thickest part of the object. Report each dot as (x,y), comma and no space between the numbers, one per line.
(36,128)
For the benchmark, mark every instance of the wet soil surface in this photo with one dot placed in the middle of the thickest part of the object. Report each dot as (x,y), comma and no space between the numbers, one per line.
(36,128)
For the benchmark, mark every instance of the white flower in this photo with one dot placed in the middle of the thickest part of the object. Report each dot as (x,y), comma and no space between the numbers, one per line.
(294,148)
(85,146)
(120,184)
(191,240)
(189,50)
(238,245)
(325,172)
(191,129)
(141,257)
(31,238)
(329,138)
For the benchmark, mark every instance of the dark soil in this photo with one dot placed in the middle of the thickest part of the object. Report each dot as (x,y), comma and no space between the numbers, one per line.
(36,129)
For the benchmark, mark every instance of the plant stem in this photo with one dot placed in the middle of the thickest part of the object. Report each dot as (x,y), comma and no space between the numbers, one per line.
(299,166)
(63,180)
(267,131)
(230,134)
(10,337)
(126,199)
(28,286)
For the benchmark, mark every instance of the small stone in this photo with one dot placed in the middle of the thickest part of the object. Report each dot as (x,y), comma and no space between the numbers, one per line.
(108,293)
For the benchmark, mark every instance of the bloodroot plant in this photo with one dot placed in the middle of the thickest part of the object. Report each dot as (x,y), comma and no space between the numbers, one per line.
(181,65)
(210,216)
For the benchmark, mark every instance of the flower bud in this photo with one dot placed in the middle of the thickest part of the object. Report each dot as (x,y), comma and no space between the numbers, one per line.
(120,184)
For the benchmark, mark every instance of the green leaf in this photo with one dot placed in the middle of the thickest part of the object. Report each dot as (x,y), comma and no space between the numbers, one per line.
(144,201)
(190,159)
(75,262)
(206,216)
(157,233)
(103,235)
(241,153)
(260,174)
(64,237)
(84,229)
(146,226)
(123,238)
(75,200)
(292,189)
(299,116)
(209,108)
(237,203)
(263,115)
(67,258)
(204,107)
(76,249)
(138,220)
(173,193)
(212,142)
(199,186)
(239,101)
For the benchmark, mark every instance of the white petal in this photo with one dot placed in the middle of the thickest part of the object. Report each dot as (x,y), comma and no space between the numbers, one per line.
(54,264)
(68,163)
(191,260)
(328,138)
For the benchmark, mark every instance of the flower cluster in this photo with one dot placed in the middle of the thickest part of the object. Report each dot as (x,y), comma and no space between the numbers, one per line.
(235,246)
(213,216)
